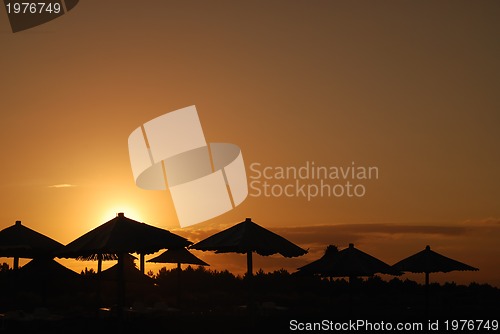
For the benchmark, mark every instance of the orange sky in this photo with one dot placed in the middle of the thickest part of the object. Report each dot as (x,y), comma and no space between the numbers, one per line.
(408,87)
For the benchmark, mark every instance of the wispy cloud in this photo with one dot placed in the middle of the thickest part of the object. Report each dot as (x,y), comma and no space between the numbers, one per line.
(62,185)
(491,221)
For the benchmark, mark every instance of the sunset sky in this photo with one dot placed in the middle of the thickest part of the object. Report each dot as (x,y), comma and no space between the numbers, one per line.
(409,87)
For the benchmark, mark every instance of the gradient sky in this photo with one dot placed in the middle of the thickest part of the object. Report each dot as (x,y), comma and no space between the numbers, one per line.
(410,87)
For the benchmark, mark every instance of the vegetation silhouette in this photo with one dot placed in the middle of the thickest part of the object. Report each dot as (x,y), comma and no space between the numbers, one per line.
(342,284)
(213,299)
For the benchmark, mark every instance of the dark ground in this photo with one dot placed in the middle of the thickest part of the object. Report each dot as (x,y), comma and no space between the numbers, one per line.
(215,302)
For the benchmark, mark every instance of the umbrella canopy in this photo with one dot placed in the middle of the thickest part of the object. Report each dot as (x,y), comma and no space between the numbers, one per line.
(323,265)
(41,277)
(122,235)
(349,262)
(247,237)
(179,255)
(428,261)
(19,241)
(49,269)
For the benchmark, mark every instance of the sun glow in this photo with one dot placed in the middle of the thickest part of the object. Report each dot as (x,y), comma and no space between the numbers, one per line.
(128,211)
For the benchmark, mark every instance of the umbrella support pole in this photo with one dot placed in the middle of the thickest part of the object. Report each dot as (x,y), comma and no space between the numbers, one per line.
(141,256)
(99,290)
(99,263)
(16,263)
(251,299)
(352,280)
(427,295)
(249,264)
(179,285)
(99,294)
(121,285)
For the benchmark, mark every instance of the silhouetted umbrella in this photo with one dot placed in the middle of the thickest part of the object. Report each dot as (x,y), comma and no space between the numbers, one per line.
(137,284)
(43,276)
(118,237)
(19,241)
(322,266)
(50,273)
(248,237)
(428,261)
(130,272)
(349,262)
(50,269)
(122,235)
(179,255)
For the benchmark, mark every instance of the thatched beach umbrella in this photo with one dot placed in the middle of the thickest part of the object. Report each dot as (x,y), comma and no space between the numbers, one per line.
(133,280)
(349,262)
(47,277)
(122,235)
(178,255)
(131,273)
(118,237)
(245,238)
(428,261)
(323,265)
(248,237)
(19,241)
